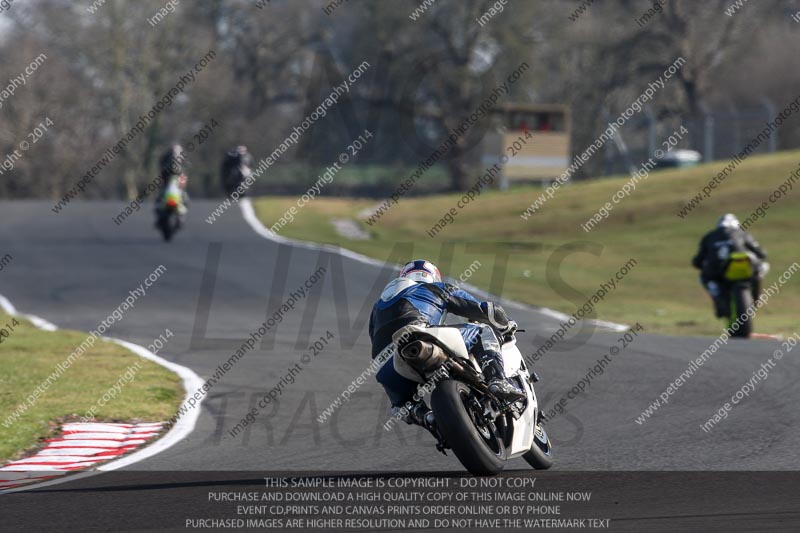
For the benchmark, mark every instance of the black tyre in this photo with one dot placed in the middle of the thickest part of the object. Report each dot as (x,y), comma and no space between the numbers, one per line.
(540,456)
(166,231)
(742,300)
(479,448)
(169,225)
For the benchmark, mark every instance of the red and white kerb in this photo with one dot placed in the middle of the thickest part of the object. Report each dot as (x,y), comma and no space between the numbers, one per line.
(80,446)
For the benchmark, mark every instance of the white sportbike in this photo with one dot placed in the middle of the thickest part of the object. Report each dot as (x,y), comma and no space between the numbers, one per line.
(483,431)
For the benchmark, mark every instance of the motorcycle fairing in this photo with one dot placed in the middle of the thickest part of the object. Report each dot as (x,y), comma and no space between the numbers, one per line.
(739,268)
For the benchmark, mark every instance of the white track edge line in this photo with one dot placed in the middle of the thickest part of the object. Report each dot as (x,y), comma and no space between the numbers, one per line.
(249,214)
(182,428)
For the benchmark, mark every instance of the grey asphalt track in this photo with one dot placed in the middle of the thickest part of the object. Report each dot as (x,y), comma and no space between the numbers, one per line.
(74,268)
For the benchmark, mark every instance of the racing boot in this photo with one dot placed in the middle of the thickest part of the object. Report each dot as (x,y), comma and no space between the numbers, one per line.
(756,284)
(721,308)
(499,384)
(719,298)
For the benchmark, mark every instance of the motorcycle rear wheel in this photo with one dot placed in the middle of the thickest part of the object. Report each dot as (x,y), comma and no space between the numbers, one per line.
(169,225)
(741,300)
(478,446)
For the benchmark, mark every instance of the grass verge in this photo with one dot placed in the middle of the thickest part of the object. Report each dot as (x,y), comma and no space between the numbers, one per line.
(29,355)
(549,260)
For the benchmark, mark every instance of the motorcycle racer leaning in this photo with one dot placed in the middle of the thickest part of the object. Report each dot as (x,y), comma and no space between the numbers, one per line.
(713,255)
(418,296)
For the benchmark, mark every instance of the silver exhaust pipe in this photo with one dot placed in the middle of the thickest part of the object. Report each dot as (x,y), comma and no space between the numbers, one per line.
(423,356)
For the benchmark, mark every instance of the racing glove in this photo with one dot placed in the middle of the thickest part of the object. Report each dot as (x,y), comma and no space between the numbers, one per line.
(497,318)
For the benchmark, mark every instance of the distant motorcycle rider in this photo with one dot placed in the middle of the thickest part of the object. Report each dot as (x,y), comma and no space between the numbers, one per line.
(171,172)
(714,253)
(236,168)
(418,296)
(172,196)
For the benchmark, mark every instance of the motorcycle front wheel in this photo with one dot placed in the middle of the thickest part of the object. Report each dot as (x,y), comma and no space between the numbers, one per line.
(540,456)
(459,417)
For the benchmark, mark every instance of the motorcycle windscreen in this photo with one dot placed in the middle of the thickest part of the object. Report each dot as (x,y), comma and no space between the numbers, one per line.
(512,358)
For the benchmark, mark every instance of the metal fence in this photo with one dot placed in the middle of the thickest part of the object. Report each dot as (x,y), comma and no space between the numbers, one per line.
(716,134)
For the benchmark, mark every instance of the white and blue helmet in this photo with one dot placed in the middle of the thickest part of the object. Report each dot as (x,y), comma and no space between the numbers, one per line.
(728,221)
(421,271)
